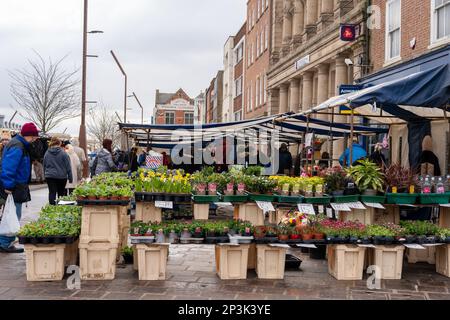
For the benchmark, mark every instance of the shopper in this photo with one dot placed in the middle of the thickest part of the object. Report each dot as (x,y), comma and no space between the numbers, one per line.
(6,138)
(57,170)
(358,153)
(16,174)
(429,162)
(76,166)
(81,156)
(377,156)
(284,160)
(134,166)
(104,161)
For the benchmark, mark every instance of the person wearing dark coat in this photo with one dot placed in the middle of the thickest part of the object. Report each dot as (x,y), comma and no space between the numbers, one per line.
(429,162)
(285,160)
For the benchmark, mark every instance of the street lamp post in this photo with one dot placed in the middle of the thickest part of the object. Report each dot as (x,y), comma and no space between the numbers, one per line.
(126,84)
(82,134)
(142,108)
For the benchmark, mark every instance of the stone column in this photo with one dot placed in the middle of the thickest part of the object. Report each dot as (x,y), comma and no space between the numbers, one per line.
(298,21)
(307,91)
(322,88)
(311,9)
(341,78)
(327,6)
(294,88)
(283,98)
(300,95)
(287,22)
(274,101)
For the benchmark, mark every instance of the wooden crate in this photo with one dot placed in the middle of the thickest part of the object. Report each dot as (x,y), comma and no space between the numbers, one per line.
(420,255)
(252,213)
(390,261)
(98,261)
(45,262)
(346,262)
(443,260)
(147,212)
(100,224)
(275,217)
(390,215)
(135,259)
(363,216)
(252,257)
(271,262)
(201,211)
(444,217)
(152,261)
(231,261)
(71,254)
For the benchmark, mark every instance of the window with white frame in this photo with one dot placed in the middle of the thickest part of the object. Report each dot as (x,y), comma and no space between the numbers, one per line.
(393,29)
(259,8)
(170,117)
(238,85)
(262,41)
(261,90)
(239,53)
(188,118)
(265,88)
(237,116)
(440,19)
(257,45)
(267,37)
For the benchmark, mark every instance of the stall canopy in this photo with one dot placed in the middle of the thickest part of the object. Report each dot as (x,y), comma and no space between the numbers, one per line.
(419,96)
(289,130)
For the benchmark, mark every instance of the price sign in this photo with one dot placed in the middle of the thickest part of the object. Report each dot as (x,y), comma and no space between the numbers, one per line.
(366,246)
(306,209)
(374,205)
(265,206)
(341,207)
(279,245)
(356,205)
(164,204)
(223,204)
(329,213)
(67,203)
(305,245)
(321,209)
(432,244)
(445,205)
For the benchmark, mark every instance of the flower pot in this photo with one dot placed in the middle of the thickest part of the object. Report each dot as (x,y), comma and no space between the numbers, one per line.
(159,197)
(338,193)
(370,192)
(283,237)
(307,236)
(241,189)
(102,198)
(201,189)
(295,237)
(34,240)
(58,239)
(421,239)
(81,198)
(128,258)
(92,198)
(114,198)
(319,236)
(411,239)
(168,197)
(124,198)
(212,189)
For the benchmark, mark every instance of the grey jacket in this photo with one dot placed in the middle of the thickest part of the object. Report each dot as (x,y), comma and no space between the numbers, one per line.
(103,163)
(57,164)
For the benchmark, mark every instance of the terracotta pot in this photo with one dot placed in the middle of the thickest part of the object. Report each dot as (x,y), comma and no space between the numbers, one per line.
(307,236)
(92,198)
(295,236)
(81,198)
(124,198)
(103,198)
(319,236)
(114,198)
(283,237)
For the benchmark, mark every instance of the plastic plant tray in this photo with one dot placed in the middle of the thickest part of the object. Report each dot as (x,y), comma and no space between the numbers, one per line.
(401,198)
(373,199)
(47,240)
(240,239)
(103,202)
(235,198)
(318,200)
(346,199)
(289,199)
(205,198)
(261,197)
(434,198)
(142,240)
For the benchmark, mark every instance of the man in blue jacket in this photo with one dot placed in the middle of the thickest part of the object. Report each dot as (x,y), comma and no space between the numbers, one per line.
(16,174)
(358,153)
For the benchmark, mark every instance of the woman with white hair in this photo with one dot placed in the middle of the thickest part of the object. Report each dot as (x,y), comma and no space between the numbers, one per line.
(76,168)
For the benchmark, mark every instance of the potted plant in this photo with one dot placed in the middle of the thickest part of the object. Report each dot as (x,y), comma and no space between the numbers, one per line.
(399,179)
(260,232)
(367,176)
(294,234)
(283,232)
(335,181)
(127,254)
(307,234)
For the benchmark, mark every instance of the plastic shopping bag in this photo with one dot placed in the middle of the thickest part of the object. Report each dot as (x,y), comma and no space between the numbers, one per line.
(9,226)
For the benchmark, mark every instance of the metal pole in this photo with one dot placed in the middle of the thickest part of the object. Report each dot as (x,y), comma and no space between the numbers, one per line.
(142,108)
(351,136)
(82,134)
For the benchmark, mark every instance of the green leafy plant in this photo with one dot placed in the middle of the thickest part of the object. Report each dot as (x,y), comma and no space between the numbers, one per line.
(367,175)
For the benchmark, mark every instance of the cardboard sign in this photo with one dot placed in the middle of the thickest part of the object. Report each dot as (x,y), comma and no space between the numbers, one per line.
(366,246)
(445,205)
(279,245)
(356,205)
(306,209)
(304,245)
(223,204)
(164,204)
(413,246)
(329,213)
(341,207)
(265,206)
(374,205)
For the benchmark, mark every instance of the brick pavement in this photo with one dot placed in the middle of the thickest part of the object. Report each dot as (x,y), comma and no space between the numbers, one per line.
(191,275)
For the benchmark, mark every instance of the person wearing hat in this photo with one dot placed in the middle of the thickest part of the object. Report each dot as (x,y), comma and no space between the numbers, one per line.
(104,161)
(16,174)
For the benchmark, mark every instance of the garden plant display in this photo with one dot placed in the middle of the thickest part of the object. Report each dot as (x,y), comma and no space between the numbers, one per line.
(56,224)
(368,177)
(105,187)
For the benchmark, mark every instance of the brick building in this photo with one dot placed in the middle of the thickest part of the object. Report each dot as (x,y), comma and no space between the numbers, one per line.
(173,108)
(257,57)
(214,99)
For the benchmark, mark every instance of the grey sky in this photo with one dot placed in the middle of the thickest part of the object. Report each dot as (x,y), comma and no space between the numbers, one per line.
(163,44)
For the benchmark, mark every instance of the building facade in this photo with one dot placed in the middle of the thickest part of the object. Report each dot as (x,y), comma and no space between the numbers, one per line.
(228,80)
(214,99)
(239,74)
(173,108)
(257,57)
(199,109)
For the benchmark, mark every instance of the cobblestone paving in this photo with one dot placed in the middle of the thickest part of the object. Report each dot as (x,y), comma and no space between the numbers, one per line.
(191,275)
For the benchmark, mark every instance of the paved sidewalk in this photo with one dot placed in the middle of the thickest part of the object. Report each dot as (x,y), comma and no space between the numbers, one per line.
(191,275)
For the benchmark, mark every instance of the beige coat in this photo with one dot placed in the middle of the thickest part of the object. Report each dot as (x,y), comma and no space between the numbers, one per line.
(75,165)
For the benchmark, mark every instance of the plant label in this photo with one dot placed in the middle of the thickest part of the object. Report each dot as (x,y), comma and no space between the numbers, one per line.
(279,245)
(265,206)
(356,205)
(445,205)
(329,213)
(306,209)
(66,203)
(374,205)
(164,204)
(321,209)
(305,245)
(366,246)
(341,207)
(223,204)
(432,244)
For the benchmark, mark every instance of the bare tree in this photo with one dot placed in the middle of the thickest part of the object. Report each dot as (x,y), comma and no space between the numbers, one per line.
(102,124)
(47,93)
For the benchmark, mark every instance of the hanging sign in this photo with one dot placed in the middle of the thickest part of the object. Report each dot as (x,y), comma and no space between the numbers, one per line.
(164,204)
(306,209)
(265,206)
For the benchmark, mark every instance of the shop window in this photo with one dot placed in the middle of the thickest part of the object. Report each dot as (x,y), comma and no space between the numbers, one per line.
(170,118)
(393,29)
(440,19)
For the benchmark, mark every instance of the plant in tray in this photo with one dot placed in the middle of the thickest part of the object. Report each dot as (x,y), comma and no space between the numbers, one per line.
(399,179)
(368,177)
(335,180)
(127,254)
(283,232)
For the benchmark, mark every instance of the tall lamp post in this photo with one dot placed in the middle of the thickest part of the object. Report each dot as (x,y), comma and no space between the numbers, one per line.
(126,84)
(140,105)
(82,134)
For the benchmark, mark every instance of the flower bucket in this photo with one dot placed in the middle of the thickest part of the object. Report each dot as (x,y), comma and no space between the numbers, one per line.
(200,188)
(241,188)
(212,188)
